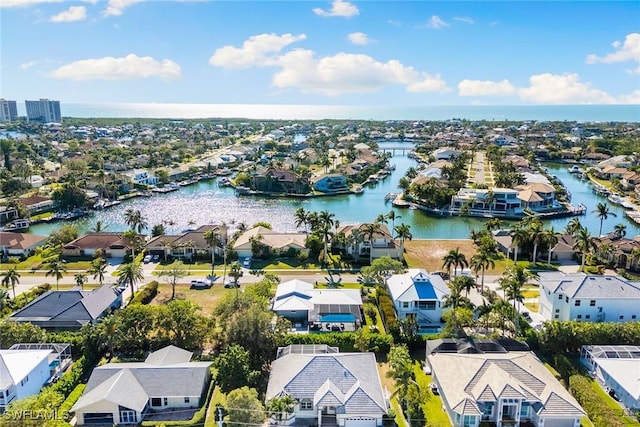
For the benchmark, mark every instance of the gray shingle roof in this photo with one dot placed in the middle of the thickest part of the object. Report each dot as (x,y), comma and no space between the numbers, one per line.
(351,379)
(169,355)
(581,285)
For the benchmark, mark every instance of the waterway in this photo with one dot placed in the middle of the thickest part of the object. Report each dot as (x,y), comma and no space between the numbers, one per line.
(207,203)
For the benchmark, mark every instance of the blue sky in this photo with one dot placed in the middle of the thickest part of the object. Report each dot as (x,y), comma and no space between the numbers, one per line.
(321,52)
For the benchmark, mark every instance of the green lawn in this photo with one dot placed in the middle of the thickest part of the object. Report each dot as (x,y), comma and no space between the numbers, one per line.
(432,408)
(218,398)
(378,321)
(626,420)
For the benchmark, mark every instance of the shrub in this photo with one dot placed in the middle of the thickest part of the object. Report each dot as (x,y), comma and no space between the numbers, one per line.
(597,409)
(146,294)
(71,400)
(345,341)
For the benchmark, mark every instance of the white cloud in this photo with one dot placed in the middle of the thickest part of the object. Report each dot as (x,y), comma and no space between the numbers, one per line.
(116,7)
(74,13)
(24,3)
(623,52)
(464,19)
(633,98)
(349,73)
(565,88)
(29,64)
(338,8)
(436,23)
(124,68)
(359,38)
(485,88)
(258,50)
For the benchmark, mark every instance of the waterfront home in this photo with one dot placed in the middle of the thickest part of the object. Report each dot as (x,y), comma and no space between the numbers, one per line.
(610,171)
(331,183)
(323,310)
(25,368)
(112,245)
(612,365)
(280,181)
(537,196)
(141,177)
(371,246)
(269,243)
(620,251)
(19,244)
(497,382)
(125,393)
(630,180)
(433,170)
(329,387)
(564,249)
(445,153)
(37,204)
(589,298)
(495,202)
(188,244)
(419,295)
(69,310)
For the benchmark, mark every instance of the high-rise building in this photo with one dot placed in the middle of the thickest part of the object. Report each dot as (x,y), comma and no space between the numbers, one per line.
(8,110)
(44,111)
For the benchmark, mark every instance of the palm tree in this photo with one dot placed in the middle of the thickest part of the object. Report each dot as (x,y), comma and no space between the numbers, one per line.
(454,259)
(454,300)
(98,269)
(56,268)
(493,224)
(301,217)
(326,222)
(584,242)
(256,245)
(392,216)
(80,279)
(620,230)
(550,239)
(133,239)
(602,212)
(213,240)
(518,237)
(131,272)
(512,283)
(281,407)
(369,230)
(535,236)
(135,220)
(109,329)
(484,312)
(573,226)
(481,261)
(98,227)
(403,233)
(11,277)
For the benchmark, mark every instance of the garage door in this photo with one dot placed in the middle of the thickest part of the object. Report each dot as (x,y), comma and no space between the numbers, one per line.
(98,418)
(360,422)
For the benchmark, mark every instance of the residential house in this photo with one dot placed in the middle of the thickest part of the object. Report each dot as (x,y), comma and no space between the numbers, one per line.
(363,245)
(280,181)
(445,153)
(188,244)
(497,382)
(112,245)
(622,252)
(563,250)
(69,310)
(497,201)
(141,177)
(37,204)
(25,368)
(617,368)
(330,388)
(269,242)
(586,297)
(126,393)
(610,171)
(419,295)
(537,196)
(318,309)
(333,183)
(630,180)
(19,244)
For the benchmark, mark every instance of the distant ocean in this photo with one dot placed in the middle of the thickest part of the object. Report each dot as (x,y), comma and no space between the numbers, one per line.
(580,113)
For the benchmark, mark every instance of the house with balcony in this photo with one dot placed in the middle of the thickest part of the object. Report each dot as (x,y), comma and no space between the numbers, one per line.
(419,295)
(498,383)
(25,368)
(330,388)
(588,298)
(141,177)
(363,245)
(498,202)
(332,183)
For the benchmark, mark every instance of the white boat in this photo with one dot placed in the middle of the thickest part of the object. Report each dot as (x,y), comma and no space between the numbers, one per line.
(615,198)
(358,189)
(574,169)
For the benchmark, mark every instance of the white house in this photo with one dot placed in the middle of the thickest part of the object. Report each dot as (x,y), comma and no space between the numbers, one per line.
(270,241)
(141,177)
(419,295)
(591,298)
(617,368)
(331,388)
(445,153)
(498,201)
(123,393)
(319,309)
(374,246)
(482,381)
(25,368)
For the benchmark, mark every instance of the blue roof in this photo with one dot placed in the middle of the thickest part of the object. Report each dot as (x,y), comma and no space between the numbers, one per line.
(338,318)
(425,290)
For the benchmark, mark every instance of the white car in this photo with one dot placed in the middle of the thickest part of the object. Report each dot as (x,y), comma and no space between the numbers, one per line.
(147,259)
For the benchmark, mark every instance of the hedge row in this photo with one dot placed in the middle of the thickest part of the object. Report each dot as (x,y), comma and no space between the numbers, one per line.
(71,400)
(597,409)
(568,337)
(345,341)
(146,294)
(387,312)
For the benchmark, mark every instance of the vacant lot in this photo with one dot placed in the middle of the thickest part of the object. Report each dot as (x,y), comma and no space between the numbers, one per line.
(428,254)
(205,298)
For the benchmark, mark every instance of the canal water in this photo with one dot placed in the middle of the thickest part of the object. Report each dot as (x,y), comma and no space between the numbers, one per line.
(207,203)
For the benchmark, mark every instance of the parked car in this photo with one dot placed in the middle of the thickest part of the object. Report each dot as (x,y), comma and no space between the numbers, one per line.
(434,389)
(443,274)
(247,262)
(526,316)
(156,258)
(230,283)
(201,284)
(147,259)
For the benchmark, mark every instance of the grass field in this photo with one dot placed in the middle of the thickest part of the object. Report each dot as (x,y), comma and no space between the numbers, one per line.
(205,298)
(432,408)
(615,406)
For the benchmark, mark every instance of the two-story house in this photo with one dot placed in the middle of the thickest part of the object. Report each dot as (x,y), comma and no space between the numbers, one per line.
(419,295)
(585,297)
(361,244)
(331,183)
(141,177)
